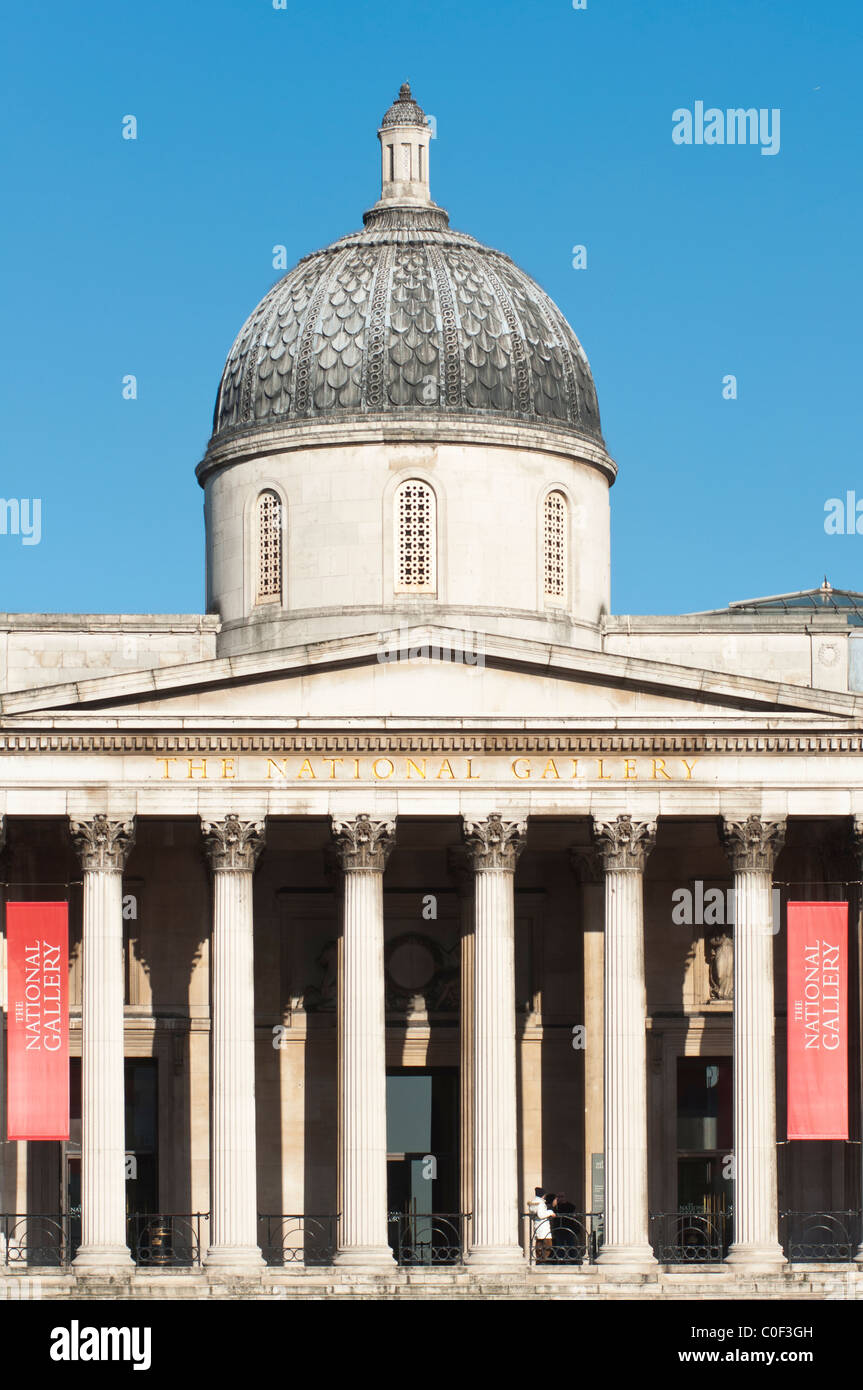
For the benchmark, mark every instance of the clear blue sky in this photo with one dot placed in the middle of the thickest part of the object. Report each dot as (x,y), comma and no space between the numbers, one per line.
(258,126)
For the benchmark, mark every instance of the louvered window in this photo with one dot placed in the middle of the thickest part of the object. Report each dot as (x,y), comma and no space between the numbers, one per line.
(554,545)
(415,540)
(269,546)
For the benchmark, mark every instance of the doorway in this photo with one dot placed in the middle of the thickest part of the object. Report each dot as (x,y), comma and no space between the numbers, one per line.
(142,1175)
(423,1163)
(705,1183)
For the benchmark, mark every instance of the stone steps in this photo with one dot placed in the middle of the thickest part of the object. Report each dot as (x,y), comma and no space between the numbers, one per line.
(591,1284)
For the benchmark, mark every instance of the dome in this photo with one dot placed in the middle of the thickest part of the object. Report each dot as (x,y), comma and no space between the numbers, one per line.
(406,319)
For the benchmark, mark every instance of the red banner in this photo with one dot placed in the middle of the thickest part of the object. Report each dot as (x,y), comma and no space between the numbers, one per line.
(37,969)
(817,1020)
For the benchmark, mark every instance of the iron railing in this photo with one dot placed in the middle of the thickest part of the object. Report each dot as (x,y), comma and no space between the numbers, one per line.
(820,1237)
(433,1238)
(298,1239)
(34,1240)
(571,1239)
(690,1237)
(162,1240)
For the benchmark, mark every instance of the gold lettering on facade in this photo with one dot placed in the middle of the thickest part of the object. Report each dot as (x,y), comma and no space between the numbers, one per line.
(403,768)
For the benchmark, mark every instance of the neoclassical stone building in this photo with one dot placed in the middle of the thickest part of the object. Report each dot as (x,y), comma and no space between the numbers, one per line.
(386,875)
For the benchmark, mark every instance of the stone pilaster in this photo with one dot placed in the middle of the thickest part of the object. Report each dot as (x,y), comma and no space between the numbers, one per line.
(232,847)
(103,846)
(494,845)
(459,867)
(623,846)
(363,846)
(752,845)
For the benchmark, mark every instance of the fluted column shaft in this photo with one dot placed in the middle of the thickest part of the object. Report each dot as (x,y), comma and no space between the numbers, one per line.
(494,845)
(623,845)
(363,846)
(589,872)
(103,846)
(232,847)
(752,845)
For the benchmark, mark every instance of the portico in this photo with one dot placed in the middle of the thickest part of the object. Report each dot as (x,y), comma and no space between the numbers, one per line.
(397,887)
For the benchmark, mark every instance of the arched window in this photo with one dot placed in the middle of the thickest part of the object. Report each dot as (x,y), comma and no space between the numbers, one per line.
(415,539)
(554,546)
(269,579)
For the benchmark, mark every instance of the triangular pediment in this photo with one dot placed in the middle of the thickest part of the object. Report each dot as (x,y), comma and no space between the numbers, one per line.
(430,677)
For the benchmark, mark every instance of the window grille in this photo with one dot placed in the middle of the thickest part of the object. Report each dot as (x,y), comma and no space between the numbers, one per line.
(415,538)
(269,546)
(554,545)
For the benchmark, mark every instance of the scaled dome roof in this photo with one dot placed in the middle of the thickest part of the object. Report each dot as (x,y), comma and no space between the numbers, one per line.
(406,318)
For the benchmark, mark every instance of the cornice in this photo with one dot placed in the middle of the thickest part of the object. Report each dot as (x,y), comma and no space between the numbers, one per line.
(233,447)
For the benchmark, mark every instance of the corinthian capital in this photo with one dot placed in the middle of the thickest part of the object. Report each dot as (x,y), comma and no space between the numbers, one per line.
(103,844)
(753,843)
(624,843)
(363,843)
(233,845)
(495,843)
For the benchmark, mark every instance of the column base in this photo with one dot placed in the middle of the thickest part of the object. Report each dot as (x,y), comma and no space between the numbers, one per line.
(768,1256)
(245,1259)
(635,1257)
(104,1257)
(496,1256)
(366,1256)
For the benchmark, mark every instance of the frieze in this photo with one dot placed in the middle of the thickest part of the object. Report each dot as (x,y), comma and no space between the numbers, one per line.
(409,743)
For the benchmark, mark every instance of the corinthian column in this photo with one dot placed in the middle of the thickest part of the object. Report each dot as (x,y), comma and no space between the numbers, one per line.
(232,847)
(103,847)
(623,845)
(752,846)
(363,847)
(494,845)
